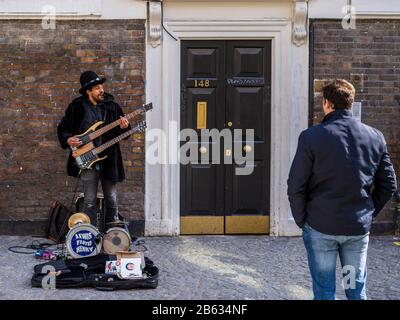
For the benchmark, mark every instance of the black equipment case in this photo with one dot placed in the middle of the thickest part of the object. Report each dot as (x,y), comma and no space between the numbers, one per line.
(89,272)
(57,223)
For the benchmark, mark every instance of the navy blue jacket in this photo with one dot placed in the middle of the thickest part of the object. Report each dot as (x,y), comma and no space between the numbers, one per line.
(341,176)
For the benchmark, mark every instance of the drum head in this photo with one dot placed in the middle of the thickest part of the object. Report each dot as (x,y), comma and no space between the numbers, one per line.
(83,241)
(116,239)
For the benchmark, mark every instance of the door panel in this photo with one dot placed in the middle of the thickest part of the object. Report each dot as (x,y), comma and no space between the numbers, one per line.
(247,62)
(248,111)
(202,62)
(249,191)
(201,196)
(226,84)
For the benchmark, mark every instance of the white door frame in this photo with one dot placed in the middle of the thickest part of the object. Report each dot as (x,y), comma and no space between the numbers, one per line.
(289,113)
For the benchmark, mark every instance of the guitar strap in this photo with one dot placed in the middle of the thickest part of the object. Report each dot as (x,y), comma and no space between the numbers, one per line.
(105,111)
(100,139)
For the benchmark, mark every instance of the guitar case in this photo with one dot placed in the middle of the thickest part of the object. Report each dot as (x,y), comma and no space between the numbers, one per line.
(89,272)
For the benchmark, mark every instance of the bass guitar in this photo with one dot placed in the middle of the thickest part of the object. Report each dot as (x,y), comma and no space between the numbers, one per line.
(86,156)
(92,134)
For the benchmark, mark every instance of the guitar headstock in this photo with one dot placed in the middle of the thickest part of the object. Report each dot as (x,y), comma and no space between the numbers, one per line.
(146,107)
(141,126)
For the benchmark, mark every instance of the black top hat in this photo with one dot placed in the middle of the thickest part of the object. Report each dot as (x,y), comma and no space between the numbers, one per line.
(89,79)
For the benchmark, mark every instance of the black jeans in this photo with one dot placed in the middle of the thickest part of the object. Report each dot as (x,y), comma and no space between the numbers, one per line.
(90,179)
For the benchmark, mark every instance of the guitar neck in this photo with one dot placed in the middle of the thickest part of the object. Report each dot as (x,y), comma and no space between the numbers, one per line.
(112,125)
(115,140)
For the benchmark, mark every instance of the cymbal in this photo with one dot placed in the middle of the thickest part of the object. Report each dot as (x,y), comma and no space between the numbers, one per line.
(78,217)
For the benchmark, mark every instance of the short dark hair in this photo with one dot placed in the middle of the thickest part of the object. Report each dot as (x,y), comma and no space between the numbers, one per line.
(340,93)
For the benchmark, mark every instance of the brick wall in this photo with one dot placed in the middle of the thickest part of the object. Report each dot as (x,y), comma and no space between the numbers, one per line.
(39,76)
(369,57)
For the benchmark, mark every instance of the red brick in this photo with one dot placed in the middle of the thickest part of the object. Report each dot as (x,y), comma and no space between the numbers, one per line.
(377,88)
(39,83)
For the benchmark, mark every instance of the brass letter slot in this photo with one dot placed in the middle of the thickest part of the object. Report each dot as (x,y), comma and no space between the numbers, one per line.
(201,114)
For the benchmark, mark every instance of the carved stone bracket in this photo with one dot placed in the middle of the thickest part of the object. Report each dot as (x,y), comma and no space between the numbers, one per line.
(154,18)
(299,35)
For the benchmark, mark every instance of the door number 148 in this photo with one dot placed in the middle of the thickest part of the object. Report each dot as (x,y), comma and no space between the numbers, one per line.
(201,83)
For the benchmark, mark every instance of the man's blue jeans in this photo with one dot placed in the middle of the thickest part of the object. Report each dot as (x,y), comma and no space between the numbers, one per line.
(322,252)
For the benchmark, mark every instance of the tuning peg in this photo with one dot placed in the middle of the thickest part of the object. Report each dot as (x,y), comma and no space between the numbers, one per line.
(142,125)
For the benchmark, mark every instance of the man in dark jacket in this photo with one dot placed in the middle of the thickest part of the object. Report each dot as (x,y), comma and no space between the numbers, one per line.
(95,105)
(340,178)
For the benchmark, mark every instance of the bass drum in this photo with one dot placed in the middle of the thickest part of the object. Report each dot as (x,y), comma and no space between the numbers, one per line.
(116,239)
(83,240)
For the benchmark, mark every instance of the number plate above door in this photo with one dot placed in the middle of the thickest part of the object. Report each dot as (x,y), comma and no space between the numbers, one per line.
(203,83)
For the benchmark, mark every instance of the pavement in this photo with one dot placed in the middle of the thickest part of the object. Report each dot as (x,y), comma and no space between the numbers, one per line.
(213,268)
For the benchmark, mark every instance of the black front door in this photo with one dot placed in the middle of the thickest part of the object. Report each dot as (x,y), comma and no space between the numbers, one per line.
(226,85)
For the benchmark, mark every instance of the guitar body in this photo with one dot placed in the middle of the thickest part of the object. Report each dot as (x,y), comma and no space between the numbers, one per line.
(83,149)
(84,156)
(85,136)
(86,159)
